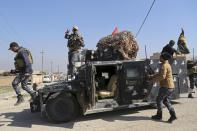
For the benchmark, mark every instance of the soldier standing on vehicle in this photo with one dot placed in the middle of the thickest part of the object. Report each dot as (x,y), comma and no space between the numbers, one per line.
(75,43)
(165,78)
(192,73)
(23,70)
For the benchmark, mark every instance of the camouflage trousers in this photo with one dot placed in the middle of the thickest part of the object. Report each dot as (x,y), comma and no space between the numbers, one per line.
(74,56)
(21,78)
(164,97)
(193,81)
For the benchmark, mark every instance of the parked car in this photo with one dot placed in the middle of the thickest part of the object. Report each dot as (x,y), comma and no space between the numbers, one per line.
(46,79)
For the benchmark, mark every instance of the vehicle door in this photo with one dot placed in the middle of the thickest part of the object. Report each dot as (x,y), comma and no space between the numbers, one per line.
(90,84)
(131,82)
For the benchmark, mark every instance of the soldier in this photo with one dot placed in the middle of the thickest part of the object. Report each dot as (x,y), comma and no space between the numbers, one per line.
(23,69)
(75,43)
(169,48)
(165,78)
(192,73)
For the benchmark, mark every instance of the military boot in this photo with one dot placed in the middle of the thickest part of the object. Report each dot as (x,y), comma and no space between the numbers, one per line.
(190,95)
(20,100)
(33,96)
(172,116)
(158,116)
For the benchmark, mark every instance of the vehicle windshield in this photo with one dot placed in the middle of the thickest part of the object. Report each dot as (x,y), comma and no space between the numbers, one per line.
(46,76)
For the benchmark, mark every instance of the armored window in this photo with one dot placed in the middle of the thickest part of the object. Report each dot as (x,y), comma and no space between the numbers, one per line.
(134,72)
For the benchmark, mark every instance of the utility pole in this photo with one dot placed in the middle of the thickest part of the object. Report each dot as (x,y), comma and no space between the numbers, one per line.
(42,52)
(51,67)
(58,70)
(193,55)
(146,52)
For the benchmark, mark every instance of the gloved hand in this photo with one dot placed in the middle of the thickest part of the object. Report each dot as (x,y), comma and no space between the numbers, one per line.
(14,71)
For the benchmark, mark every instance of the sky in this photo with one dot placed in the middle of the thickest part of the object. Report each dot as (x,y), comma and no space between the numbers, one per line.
(40,25)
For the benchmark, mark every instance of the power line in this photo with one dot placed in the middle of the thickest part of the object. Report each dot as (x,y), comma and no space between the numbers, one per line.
(11,30)
(145,19)
(51,67)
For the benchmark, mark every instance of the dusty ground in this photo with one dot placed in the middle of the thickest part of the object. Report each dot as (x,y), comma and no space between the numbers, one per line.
(6,80)
(20,119)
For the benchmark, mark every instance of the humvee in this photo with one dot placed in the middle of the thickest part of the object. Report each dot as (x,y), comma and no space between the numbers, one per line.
(98,86)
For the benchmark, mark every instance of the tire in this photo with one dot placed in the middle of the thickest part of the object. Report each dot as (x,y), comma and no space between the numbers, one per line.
(63,108)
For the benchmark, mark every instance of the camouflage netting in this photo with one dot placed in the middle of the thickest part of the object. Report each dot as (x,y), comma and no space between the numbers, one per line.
(121,46)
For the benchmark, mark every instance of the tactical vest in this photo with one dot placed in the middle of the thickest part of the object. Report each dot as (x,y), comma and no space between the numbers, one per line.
(19,60)
(74,42)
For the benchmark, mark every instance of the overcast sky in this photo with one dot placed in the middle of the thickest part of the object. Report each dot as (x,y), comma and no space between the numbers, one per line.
(40,24)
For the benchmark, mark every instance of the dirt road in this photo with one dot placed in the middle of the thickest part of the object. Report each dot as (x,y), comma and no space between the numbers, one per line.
(20,119)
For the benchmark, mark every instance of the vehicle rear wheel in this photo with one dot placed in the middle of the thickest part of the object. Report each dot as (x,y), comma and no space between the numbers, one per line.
(62,108)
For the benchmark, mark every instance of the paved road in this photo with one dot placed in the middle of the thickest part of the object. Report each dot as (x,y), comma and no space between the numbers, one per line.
(20,119)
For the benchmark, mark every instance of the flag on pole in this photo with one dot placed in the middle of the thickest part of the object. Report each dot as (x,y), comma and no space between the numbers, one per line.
(115,31)
(182,44)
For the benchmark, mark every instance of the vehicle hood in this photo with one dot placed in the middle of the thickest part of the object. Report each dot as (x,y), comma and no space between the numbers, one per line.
(59,86)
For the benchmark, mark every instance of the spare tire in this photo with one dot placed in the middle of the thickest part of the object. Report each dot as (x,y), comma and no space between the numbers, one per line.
(62,108)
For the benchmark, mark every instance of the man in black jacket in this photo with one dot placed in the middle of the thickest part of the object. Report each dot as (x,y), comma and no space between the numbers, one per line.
(169,48)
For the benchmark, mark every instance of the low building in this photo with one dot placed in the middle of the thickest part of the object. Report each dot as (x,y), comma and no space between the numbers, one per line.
(36,77)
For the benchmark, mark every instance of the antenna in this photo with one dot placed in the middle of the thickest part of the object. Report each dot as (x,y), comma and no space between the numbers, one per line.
(144,19)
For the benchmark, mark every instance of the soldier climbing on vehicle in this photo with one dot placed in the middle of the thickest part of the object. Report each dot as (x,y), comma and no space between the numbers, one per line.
(169,49)
(75,43)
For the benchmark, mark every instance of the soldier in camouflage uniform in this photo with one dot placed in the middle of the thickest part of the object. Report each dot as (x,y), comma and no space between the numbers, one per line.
(75,43)
(23,70)
(192,73)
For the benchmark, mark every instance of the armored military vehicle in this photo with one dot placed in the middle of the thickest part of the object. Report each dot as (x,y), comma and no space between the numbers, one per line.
(98,86)
(102,83)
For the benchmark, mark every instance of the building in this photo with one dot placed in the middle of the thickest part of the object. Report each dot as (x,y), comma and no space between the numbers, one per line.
(36,77)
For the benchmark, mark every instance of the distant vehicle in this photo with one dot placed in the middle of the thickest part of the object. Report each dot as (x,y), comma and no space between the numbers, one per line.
(46,79)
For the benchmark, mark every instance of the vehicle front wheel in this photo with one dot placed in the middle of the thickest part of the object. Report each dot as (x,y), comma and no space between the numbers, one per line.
(62,108)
